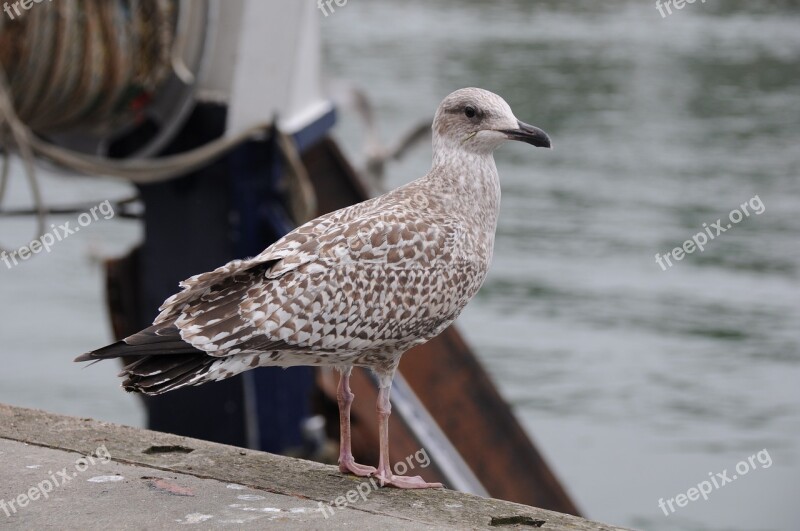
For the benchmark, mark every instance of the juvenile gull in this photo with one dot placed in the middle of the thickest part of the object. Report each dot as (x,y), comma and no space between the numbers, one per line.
(356,287)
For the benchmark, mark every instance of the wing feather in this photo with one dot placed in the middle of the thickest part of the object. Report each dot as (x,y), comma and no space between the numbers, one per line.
(332,286)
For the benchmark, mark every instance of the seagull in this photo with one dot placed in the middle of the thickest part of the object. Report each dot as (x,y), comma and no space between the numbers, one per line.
(357,287)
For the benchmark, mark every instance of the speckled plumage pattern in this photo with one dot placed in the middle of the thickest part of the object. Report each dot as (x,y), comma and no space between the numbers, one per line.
(359,286)
(356,287)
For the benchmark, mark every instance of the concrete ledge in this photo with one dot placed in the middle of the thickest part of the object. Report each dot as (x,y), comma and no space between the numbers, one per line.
(167,480)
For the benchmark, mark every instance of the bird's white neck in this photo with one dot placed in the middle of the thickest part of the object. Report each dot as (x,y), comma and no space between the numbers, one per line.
(469,187)
(468,175)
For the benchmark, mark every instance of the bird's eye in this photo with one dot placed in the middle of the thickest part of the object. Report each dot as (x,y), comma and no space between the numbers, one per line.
(469,111)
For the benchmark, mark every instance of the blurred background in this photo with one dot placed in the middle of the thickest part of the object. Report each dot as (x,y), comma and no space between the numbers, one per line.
(635,383)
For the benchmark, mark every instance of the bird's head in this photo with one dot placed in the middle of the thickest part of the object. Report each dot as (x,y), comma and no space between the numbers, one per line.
(478,121)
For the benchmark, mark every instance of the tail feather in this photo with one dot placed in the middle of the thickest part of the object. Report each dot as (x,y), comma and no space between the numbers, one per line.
(158,360)
(150,365)
(159,374)
(156,340)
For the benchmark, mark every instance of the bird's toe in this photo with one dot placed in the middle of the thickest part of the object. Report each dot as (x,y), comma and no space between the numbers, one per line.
(350,466)
(407,482)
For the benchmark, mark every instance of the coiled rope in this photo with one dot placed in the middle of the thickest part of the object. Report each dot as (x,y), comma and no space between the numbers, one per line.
(82,65)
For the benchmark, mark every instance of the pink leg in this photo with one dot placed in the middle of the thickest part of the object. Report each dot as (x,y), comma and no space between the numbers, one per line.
(345,398)
(385,475)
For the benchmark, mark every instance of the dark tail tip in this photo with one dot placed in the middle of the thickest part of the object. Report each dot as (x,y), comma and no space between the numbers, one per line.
(114,350)
(84,357)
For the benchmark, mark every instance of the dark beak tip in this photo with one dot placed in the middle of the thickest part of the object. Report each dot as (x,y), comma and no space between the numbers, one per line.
(530,135)
(545,143)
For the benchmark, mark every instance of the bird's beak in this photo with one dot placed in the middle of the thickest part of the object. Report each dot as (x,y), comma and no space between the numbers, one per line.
(528,134)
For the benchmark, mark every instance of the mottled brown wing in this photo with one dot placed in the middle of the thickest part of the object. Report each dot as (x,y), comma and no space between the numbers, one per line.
(374,284)
(367,284)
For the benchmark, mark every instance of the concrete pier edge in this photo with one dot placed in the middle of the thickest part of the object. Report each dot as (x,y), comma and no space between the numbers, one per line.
(260,471)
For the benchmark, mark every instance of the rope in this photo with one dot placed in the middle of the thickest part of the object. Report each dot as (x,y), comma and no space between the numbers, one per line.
(108,58)
(21,136)
(302,198)
(78,65)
